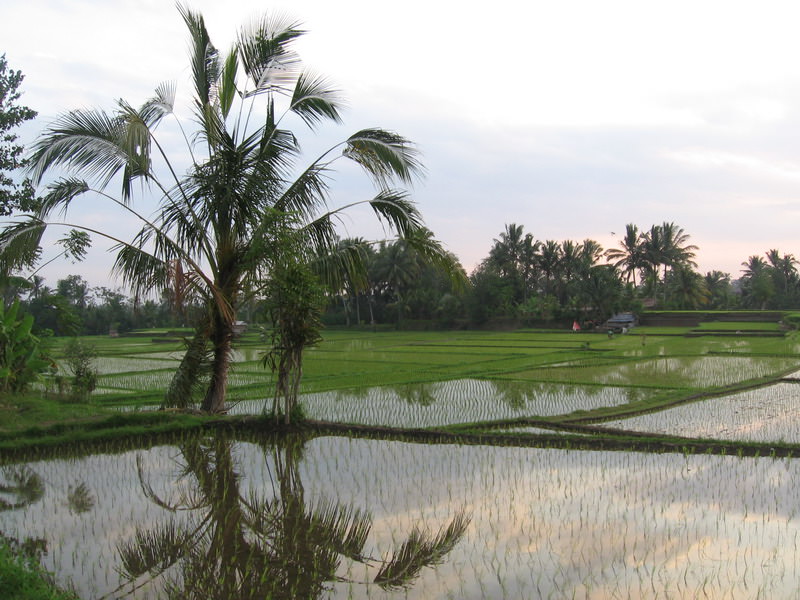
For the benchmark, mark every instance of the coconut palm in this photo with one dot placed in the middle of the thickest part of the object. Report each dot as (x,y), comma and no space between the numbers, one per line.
(549,257)
(629,258)
(758,287)
(719,289)
(676,249)
(783,269)
(514,257)
(688,288)
(243,198)
(666,246)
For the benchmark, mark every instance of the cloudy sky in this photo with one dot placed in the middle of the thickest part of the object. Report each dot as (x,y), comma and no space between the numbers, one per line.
(571,118)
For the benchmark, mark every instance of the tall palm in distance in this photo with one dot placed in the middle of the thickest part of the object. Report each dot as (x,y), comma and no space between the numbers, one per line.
(629,258)
(242,203)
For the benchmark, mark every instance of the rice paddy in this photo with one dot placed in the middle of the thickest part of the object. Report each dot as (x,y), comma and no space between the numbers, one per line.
(452,402)
(766,414)
(460,518)
(542,523)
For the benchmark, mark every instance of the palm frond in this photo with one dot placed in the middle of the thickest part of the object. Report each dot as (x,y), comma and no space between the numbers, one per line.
(266,53)
(341,528)
(61,193)
(88,142)
(384,155)
(153,551)
(314,100)
(432,252)
(20,244)
(227,86)
(160,105)
(139,269)
(203,56)
(418,551)
(400,212)
(320,234)
(192,373)
(307,193)
(346,263)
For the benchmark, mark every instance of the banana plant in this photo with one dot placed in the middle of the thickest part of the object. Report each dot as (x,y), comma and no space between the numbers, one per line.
(21,357)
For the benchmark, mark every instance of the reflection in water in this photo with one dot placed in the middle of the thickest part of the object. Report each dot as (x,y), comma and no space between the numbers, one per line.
(451,402)
(702,372)
(22,487)
(237,546)
(544,523)
(420,394)
(80,499)
(764,414)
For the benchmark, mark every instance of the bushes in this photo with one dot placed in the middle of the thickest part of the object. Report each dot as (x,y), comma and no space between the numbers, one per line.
(21,575)
(80,357)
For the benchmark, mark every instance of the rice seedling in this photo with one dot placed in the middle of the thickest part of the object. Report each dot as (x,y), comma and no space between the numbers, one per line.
(451,402)
(766,414)
(542,523)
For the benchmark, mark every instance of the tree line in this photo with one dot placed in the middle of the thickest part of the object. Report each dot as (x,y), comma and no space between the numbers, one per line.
(523,279)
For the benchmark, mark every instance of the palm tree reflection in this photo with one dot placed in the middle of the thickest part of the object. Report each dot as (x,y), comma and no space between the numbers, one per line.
(23,484)
(273,547)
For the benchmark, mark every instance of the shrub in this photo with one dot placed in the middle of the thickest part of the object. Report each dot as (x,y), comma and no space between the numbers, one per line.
(80,357)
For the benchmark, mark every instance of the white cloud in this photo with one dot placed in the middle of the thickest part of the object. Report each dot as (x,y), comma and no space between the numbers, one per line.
(572,118)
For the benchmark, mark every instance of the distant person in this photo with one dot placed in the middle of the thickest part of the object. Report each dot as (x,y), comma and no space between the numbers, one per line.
(576,326)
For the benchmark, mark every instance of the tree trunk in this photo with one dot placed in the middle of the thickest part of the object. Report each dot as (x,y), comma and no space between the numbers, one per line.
(190,373)
(222,339)
(370,300)
(346,311)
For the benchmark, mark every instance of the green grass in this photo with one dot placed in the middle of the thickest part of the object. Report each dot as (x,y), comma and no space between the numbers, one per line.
(738,326)
(22,577)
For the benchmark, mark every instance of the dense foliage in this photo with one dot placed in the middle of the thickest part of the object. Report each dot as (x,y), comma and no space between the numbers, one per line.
(14,194)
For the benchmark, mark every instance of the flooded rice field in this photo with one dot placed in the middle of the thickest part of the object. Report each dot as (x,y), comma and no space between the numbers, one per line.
(337,517)
(766,414)
(453,402)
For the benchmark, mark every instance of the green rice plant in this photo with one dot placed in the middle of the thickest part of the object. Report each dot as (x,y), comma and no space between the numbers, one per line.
(765,414)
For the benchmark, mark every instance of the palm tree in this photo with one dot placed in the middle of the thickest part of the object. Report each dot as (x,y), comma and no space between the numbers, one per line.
(549,256)
(513,255)
(688,288)
(221,225)
(719,289)
(784,272)
(507,251)
(675,247)
(666,246)
(630,257)
(652,253)
(757,285)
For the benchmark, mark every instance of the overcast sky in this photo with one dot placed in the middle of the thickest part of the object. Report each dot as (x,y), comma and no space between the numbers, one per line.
(571,118)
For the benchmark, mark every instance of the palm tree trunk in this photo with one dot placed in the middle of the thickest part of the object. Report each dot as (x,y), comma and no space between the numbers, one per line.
(346,311)
(370,300)
(222,340)
(190,373)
